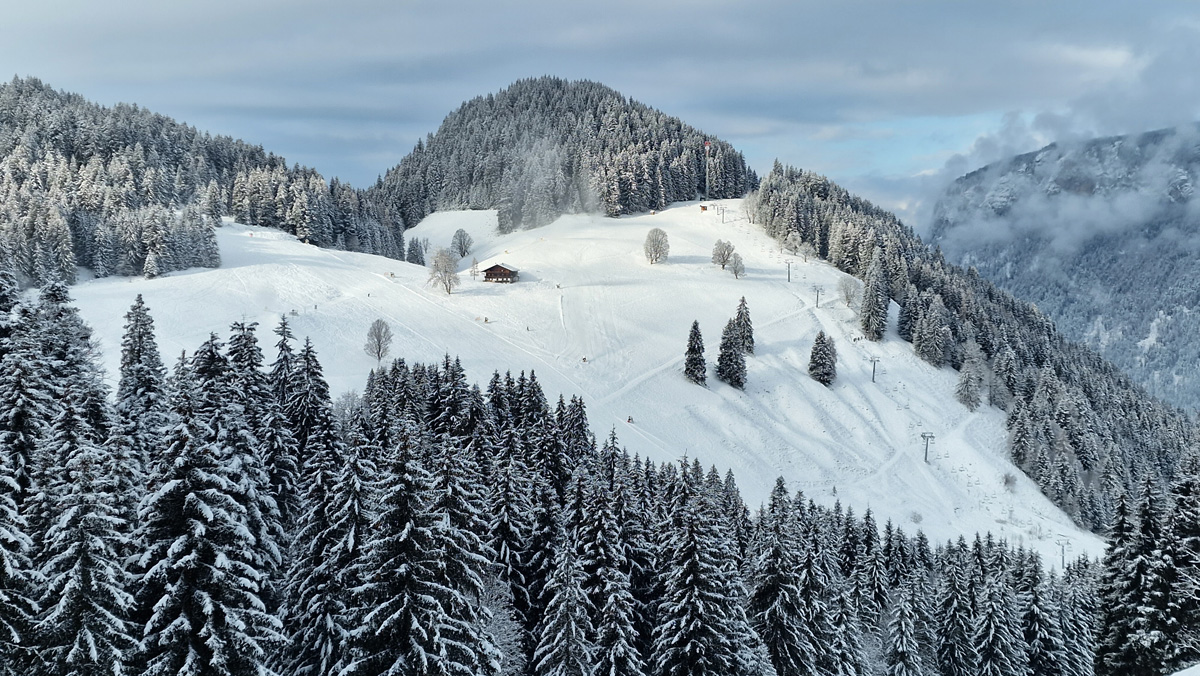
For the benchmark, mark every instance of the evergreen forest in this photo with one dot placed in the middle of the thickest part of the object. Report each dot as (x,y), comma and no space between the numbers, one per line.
(225,516)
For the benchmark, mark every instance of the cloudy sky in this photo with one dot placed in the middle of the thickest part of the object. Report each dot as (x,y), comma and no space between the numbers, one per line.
(890,98)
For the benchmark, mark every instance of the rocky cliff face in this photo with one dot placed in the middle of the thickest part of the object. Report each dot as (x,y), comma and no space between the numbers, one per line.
(1104,236)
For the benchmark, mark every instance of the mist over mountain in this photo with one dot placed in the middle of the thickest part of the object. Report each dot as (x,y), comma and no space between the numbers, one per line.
(1102,235)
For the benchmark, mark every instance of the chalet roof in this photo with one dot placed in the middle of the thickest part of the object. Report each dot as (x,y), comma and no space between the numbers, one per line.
(498,267)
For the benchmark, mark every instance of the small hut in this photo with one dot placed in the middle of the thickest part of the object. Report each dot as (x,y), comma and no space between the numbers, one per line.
(500,273)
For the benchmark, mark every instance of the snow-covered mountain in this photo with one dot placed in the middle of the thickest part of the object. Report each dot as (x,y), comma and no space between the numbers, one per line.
(546,146)
(593,318)
(1103,236)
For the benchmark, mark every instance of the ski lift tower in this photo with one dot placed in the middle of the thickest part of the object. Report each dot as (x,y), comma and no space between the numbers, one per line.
(707,145)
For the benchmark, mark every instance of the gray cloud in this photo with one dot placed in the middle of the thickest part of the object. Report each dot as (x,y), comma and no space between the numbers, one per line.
(842,88)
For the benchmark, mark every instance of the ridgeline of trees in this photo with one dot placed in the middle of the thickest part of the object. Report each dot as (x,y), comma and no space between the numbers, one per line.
(1078,426)
(547,146)
(124,191)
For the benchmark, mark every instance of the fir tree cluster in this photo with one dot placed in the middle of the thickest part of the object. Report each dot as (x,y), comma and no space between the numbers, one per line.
(1077,425)
(124,191)
(737,341)
(547,146)
(1150,611)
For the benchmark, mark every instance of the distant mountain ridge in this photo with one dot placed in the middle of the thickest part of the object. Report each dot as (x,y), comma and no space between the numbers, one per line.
(1104,236)
(546,146)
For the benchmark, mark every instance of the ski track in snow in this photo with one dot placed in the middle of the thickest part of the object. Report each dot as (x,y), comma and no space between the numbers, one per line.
(586,290)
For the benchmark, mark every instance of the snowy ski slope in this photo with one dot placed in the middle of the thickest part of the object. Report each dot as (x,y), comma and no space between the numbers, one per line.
(586,291)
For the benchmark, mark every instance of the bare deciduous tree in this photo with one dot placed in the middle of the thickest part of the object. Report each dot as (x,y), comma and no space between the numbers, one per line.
(807,251)
(474,268)
(793,242)
(461,243)
(736,266)
(749,206)
(656,246)
(722,253)
(444,271)
(848,290)
(379,340)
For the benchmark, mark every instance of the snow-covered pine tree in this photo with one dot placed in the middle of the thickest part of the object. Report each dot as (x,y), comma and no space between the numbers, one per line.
(538,563)
(448,414)
(822,362)
(212,202)
(694,367)
(1185,538)
(416,253)
(309,407)
(731,360)
(997,635)
(462,558)
(66,343)
(511,512)
(1042,632)
(873,310)
(198,545)
(564,647)
(903,650)
(1121,592)
(775,605)
(141,409)
(971,376)
(606,567)
(696,616)
(954,632)
(1077,619)
(84,624)
(1153,575)
(280,374)
(542,441)
(638,513)
(17,578)
(577,440)
(616,645)
(401,580)
(27,398)
(276,448)
(223,410)
(744,326)
(329,543)
(844,651)
(931,333)
(909,311)
(813,584)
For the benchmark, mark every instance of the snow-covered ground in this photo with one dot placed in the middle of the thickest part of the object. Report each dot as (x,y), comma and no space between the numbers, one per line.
(586,291)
